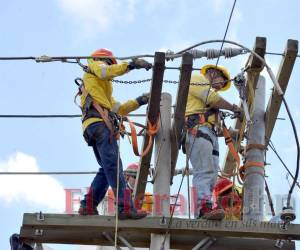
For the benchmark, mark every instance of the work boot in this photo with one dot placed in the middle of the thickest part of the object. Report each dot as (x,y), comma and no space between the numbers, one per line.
(85,210)
(208,213)
(131,214)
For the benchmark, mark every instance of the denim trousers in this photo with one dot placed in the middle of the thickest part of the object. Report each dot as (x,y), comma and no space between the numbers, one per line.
(205,165)
(105,148)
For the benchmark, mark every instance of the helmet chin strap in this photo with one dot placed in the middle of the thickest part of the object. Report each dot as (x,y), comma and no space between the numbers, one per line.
(132,188)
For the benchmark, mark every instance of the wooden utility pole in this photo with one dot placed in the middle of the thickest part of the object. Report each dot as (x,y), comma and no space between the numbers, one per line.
(283,77)
(254,175)
(161,187)
(180,106)
(152,117)
(254,66)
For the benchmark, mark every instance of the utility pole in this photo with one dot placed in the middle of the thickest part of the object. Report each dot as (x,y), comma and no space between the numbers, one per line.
(254,174)
(161,187)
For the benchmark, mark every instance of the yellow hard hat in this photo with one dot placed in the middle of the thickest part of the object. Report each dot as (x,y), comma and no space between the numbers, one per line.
(221,69)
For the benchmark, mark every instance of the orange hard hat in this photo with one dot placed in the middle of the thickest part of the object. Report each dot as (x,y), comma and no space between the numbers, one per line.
(222,185)
(105,52)
(132,169)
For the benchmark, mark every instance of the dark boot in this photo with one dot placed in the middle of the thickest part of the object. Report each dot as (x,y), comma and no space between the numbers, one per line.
(131,214)
(87,210)
(208,213)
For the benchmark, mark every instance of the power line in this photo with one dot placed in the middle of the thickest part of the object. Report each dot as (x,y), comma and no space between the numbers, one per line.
(277,54)
(57,116)
(222,44)
(65,58)
(225,34)
(272,147)
(50,173)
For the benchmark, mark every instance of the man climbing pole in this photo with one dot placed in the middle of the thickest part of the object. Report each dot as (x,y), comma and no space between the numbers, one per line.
(203,126)
(101,129)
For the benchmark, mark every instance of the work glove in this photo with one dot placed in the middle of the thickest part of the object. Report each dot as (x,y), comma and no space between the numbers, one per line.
(137,63)
(143,99)
(238,112)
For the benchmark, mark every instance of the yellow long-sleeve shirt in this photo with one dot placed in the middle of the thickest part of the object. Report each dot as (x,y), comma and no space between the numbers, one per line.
(200,97)
(98,84)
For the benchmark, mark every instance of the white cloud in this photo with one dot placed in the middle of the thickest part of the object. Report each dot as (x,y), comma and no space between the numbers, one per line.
(98,15)
(40,190)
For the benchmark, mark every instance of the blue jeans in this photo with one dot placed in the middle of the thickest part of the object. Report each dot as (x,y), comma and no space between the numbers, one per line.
(205,162)
(97,136)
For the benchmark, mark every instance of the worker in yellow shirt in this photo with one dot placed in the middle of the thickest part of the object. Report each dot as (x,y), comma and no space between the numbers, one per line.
(100,126)
(203,124)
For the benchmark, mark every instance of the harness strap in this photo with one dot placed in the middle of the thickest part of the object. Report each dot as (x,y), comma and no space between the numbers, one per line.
(255,146)
(103,112)
(249,164)
(151,131)
(229,143)
(198,133)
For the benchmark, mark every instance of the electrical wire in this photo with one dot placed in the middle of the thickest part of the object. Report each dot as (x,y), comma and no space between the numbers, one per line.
(45,58)
(57,116)
(272,147)
(176,199)
(288,202)
(222,44)
(65,58)
(50,173)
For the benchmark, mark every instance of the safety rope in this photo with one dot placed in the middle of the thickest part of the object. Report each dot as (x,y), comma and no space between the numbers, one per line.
(176,199)
(117,192)
(187,173)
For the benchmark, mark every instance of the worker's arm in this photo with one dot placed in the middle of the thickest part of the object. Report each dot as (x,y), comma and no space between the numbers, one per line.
(211,98)
(106,72)
(124,108)
(129,106)
(223,104)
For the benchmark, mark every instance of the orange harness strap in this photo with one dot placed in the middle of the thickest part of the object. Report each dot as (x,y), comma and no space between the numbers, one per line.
(103,112)
(151,131)
(229,143)
(249,164)
(255,146)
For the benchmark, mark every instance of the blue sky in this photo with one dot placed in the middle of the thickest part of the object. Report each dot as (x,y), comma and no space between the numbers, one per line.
(128,27)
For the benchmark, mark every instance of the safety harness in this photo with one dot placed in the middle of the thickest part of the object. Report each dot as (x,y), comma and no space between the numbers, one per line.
(113,121)
(194,121)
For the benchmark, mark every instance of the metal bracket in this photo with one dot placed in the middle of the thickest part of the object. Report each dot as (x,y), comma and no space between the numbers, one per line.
(163,221)
(40,216)
(279,243)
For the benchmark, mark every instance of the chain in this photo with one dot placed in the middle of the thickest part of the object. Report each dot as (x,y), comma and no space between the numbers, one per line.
(132,82)
(148,80)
